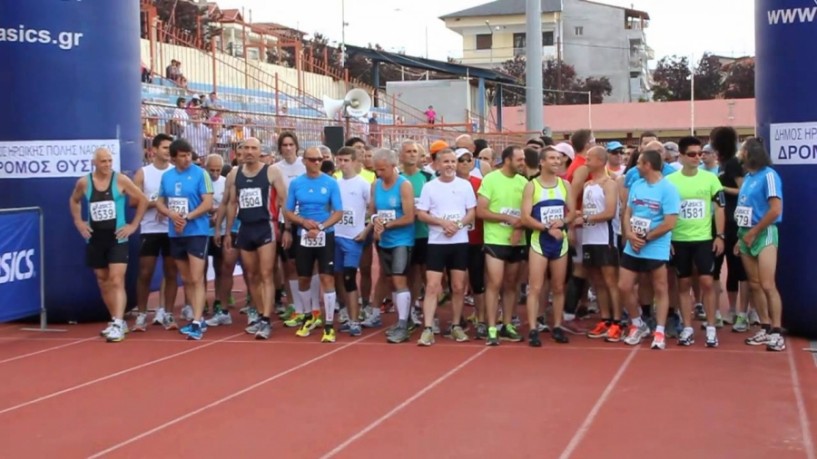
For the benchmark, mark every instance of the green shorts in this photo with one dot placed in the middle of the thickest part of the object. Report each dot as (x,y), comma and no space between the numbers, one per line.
(766,238)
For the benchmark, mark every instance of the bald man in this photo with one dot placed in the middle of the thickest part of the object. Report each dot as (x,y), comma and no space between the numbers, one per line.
(250,185)
(104,191)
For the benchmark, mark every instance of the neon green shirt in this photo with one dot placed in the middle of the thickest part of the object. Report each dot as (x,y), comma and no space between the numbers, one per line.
(418,179)
(695,218)
(504,195)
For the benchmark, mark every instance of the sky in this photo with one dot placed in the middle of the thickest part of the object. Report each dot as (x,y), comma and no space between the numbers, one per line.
(679,27)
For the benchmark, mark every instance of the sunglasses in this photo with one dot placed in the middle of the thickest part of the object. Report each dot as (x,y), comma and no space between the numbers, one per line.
(313,160)
(692,154)
(464,160)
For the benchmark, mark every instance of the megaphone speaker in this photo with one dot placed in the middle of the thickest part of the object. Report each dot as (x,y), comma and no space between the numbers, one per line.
(359,103)
(332,106)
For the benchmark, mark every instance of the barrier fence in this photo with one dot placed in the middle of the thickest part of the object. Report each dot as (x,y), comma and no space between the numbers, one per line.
(22,266)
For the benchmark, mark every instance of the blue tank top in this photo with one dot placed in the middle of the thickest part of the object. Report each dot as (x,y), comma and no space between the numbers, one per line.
(106,209)
(389,207)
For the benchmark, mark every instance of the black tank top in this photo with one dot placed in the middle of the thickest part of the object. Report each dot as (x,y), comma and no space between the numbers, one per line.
(103,210)
(252,194)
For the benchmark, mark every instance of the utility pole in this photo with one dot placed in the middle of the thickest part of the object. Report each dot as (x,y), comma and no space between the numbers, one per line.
(533,67)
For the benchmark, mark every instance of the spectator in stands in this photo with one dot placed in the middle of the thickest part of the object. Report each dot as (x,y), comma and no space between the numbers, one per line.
(374,131)
(200,136)
(179,118)
(194,109)
(146,75)
(431,115)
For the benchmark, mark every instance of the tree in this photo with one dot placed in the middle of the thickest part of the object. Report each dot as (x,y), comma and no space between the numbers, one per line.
(671,77)
(740,80)
(598,88)
(187,16)
(556,76)
(515,68)
(708,78)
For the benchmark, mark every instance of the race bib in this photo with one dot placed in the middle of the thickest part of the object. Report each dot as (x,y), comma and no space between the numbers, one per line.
(319,241)
(452,217)
(102,211)
(509,211)
(743,216)
(249,198)
(386,216)
(640,226)
(178,205)
(550,214)
(348,218)
(693,209)
(589,209)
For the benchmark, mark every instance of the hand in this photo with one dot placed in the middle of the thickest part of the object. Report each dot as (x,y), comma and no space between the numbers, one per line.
(312,234)
(362,236)
(179,226)
(84,229)
(450,228)
(718,246)
(310,224)
(571,237)
(177,218)
(286,239)
(636,242)
(736,250)
(580,221)
(671,250)
(557,233)
(378,226)
(516,236)
(749,237)
(227,243)
(126,231)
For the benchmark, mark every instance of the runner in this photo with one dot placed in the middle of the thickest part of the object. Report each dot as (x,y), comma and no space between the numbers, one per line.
(250,185)
(544,201)
(155,241)
(476,256)
(649,217)
(692,244)
(447,206)
(106,233)
(600,244)
(499,205)
(759,210)
(317,196)
(392,210)
(351,232)
(185,198)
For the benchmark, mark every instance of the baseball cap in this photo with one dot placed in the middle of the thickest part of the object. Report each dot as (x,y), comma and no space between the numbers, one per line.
(436,146)
(460,152)
(614,145)
(672,148)
(566,149)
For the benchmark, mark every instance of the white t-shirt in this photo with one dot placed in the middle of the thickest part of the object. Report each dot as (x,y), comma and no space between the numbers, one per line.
(290,172)
(218,198)
(449,201)
(355,194)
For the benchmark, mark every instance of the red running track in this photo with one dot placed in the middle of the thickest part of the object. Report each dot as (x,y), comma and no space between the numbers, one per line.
(157,395)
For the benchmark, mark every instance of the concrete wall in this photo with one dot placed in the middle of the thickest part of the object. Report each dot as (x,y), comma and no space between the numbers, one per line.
(197,67)
(603,47)
(449,97)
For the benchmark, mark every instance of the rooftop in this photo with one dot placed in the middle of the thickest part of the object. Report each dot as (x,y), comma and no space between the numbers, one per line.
(514,7)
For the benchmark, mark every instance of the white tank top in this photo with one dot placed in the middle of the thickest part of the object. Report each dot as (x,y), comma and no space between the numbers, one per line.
(594,204)
(153,222)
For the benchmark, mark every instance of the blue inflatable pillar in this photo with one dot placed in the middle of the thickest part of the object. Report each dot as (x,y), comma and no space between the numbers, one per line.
(70,83)
(786,94)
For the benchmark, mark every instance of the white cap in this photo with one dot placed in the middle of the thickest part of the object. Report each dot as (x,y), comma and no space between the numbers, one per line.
(566,149)
(460,152)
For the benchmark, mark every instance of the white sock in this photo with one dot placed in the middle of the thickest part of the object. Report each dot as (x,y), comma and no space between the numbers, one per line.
(306,299)
(659,329)
(160,311)
(315,290)
(297,301)
(393,299)
(329,306)
(403,302)
(637,322)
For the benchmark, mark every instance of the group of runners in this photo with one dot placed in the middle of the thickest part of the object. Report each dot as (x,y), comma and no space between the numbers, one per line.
(556,227)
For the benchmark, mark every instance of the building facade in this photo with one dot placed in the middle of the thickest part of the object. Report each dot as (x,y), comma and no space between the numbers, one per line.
(598,40)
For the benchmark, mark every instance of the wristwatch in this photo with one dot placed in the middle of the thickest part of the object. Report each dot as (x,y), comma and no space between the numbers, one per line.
(721,236)
(460,225)
(320,227)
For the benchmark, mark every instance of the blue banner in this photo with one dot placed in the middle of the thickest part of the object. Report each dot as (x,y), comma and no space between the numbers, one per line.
(20,270)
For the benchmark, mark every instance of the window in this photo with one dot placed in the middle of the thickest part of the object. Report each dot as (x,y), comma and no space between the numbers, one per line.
(519,41)
(579,30)
(485,41)
(547,38)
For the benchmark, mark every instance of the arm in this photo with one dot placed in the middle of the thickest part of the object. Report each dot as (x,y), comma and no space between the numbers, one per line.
(139,181)
(206,192)
(577,186)
(337,206)
(527,207)
(136,196)
(229,206)
(775,209)
(407,198)
(664,228)
(75,205)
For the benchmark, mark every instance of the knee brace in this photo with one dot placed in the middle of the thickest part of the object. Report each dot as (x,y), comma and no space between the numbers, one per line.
(350,279)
